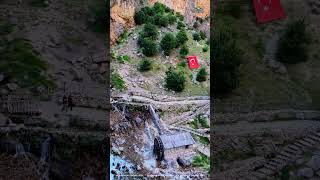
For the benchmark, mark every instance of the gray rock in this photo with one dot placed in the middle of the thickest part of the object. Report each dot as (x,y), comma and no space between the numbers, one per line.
(138,168)
(12,86)
(115,150)
(314,162)
(305,172)
(184,162)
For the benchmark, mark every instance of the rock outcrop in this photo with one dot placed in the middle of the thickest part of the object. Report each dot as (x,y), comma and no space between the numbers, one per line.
(122,12)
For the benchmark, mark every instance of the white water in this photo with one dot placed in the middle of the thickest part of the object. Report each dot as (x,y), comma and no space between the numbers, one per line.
(114,161)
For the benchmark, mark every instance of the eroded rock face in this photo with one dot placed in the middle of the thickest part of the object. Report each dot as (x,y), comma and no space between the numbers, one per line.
(122,12)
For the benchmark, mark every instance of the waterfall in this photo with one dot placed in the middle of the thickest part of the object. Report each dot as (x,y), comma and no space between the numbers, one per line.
(155,118)
(45,150)
(19,150)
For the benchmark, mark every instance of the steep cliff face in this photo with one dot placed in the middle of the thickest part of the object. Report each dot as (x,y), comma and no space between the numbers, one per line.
(122,12)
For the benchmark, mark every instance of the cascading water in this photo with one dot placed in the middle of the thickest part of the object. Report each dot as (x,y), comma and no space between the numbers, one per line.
(19,150)
(45,149)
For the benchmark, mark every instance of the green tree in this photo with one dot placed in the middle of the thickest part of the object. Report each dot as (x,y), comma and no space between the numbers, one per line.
(202,35)
(226,61)
(293,44)
(196,37)
(161,21)
(179,16)
(150,31)
(174,80)
(139,17)
(149,47)
(159,8)
(168,43)
(172,19)
(184,50)
(202,75)
(180,25)
(145,65)
(182,37)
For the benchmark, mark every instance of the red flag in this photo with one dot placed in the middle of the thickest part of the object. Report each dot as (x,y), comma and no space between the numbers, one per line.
(268,10)
(193,62)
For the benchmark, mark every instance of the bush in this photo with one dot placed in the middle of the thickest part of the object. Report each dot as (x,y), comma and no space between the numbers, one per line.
(202,75)
(139,17)
(150,31)
(149,47)
(172,19)
(202,120)
(179,16)
(145,65)
(293,44)
(159,8)
(226,61)
(203,35)
(174,80)
(182,64)
(180,25)
(123,37)
(205,48)
(117,82)
(161,21)
(196,37)
(168,43)
(19,61)
(184,50)
(181,37)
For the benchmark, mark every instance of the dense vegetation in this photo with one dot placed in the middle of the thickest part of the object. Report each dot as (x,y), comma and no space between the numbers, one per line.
(145,65)
(117,82)
(20,62)
(293,44)
(202,75)
(174,80)
(168,43)
(226,61)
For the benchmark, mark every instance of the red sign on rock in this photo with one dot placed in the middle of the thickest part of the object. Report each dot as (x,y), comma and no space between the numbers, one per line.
(193,62)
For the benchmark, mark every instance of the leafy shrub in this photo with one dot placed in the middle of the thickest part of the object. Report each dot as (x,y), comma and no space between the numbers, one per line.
(226,61)
(149,47)
(145,65)
(202,35)
(161,21)
(139,17)
(182,64)
(179,16)
(20,62)
(123,37)
(168,43)
(202,120)
(201,160)
(159,8)
(181,37)
(180,25)
(117,82)
(184,50)
(293,44)
(172,19)
(196,37)
(202,75)
(150,31)
(174,80)
(205,48)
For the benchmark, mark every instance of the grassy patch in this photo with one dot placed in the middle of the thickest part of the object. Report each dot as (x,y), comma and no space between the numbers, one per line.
(20,62)
(117,82)
(201,160)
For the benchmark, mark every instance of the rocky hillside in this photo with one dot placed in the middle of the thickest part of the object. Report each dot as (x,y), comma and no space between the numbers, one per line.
(122,12)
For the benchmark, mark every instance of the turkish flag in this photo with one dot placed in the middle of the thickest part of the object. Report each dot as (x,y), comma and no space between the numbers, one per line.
(193,62)
(268,10)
